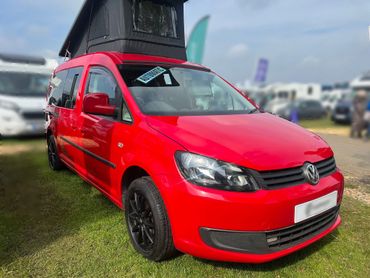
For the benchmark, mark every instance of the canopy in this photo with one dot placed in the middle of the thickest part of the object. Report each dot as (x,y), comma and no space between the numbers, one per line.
(151,27)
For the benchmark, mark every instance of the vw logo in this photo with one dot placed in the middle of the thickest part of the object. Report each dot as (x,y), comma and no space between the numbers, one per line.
(311,173)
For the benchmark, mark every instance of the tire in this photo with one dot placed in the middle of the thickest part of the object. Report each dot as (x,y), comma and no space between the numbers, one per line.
(147,221)
(53,158)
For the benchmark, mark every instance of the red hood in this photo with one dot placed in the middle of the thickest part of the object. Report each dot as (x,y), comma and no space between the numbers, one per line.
(257,141)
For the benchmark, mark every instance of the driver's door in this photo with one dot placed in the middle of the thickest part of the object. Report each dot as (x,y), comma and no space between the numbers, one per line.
(98,131)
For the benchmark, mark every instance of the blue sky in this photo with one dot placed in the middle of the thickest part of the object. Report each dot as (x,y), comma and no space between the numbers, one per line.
(305,41)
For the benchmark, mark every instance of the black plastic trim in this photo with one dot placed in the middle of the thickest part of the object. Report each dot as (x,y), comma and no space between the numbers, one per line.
(257,242)
(102,160)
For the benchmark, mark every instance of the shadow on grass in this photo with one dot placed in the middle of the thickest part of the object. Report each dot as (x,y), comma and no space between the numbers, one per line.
(279,263)
(38,206)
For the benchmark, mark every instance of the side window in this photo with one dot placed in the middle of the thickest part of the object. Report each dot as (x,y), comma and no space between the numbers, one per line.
(102,81)
(56,88)
(71,87)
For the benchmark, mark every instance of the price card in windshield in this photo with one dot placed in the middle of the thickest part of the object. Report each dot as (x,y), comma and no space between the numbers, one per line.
(152,74)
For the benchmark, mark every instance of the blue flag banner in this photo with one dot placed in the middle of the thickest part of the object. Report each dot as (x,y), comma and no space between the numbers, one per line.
(262,70)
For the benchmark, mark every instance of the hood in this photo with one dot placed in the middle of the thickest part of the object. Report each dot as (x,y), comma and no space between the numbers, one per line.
(258,141)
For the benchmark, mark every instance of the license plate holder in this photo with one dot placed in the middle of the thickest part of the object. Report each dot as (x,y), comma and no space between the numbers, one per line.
(315,207)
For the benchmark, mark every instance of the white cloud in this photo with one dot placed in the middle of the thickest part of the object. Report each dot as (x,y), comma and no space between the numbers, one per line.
(49,53)
(310,61)
(238,50)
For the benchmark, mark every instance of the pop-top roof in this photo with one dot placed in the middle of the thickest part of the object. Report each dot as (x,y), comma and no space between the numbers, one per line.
(152,27)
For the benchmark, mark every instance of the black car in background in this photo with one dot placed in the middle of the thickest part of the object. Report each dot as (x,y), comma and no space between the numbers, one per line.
(342,113)
(307,109)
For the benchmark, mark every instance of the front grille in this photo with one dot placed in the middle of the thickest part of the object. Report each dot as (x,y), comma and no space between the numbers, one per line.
(287,237)
(293,176)
(33,115)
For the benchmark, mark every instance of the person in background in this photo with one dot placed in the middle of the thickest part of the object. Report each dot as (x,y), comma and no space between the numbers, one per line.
(359,108)
(294,110)
(367,119)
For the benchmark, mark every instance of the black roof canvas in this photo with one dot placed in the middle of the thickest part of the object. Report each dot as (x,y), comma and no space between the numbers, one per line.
(151,27)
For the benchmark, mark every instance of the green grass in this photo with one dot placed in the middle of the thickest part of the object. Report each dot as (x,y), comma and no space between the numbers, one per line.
(320,123)
(55,225)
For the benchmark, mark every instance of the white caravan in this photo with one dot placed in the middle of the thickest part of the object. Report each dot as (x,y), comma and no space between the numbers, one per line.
(282,93)
(23,86)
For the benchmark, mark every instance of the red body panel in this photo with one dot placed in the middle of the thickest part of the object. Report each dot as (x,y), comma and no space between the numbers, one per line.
(257,141)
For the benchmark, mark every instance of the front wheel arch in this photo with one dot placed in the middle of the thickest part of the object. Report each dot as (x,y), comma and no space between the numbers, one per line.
(132,173)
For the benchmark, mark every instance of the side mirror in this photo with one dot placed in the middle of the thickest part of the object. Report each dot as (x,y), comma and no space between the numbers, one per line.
(98,104)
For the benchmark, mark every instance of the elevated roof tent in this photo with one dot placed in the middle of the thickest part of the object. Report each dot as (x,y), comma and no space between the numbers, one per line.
(151,27)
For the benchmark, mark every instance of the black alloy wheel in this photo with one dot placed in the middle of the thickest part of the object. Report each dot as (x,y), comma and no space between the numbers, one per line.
(53,158)
(141,221)
(147,221)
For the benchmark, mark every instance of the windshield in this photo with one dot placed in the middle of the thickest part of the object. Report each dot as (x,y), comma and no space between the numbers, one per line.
(23,84)
(176,91)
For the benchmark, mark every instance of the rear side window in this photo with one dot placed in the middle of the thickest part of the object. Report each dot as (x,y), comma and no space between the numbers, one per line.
(71,87)
(64,87)
(56,88)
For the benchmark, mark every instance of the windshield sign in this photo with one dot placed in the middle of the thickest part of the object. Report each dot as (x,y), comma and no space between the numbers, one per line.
(176,91)
(23,84)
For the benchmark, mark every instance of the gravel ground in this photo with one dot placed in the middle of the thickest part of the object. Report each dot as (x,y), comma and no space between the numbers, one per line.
(353,158)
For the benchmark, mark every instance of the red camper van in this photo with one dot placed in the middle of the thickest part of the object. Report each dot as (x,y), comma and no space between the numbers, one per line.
(194,164)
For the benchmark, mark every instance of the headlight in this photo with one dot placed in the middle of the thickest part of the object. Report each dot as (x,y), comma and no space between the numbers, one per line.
(209,172)
(9,105)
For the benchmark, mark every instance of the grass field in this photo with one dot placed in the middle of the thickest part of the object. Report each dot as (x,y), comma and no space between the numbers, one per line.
(55,225)
(322,123)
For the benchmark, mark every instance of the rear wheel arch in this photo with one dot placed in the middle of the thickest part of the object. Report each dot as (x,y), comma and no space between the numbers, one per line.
(48,134)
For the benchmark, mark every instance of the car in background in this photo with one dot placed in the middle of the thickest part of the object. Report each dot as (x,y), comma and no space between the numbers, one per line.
(330,100)
(23,87)
(342,112)
(307,109)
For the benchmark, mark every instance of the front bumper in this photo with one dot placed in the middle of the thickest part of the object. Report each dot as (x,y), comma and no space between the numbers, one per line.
(192,209)
(270,241)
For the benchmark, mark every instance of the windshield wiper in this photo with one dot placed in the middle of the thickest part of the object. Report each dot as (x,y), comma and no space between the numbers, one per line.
(253,111)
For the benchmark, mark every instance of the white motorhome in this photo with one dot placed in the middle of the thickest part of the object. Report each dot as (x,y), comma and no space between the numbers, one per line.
(23,86)
(282,93)
(362,83)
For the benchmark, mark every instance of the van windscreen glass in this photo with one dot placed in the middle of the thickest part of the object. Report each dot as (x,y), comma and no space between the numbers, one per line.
(176,91)
(23,84)
(159,19)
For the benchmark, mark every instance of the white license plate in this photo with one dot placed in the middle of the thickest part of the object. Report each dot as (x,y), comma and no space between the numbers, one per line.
(341,117)
(315,207)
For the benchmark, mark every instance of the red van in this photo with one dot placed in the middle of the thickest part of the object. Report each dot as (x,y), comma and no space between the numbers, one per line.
(196,165)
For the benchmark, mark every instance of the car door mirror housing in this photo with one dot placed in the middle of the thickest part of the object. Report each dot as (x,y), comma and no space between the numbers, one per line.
(98,104)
